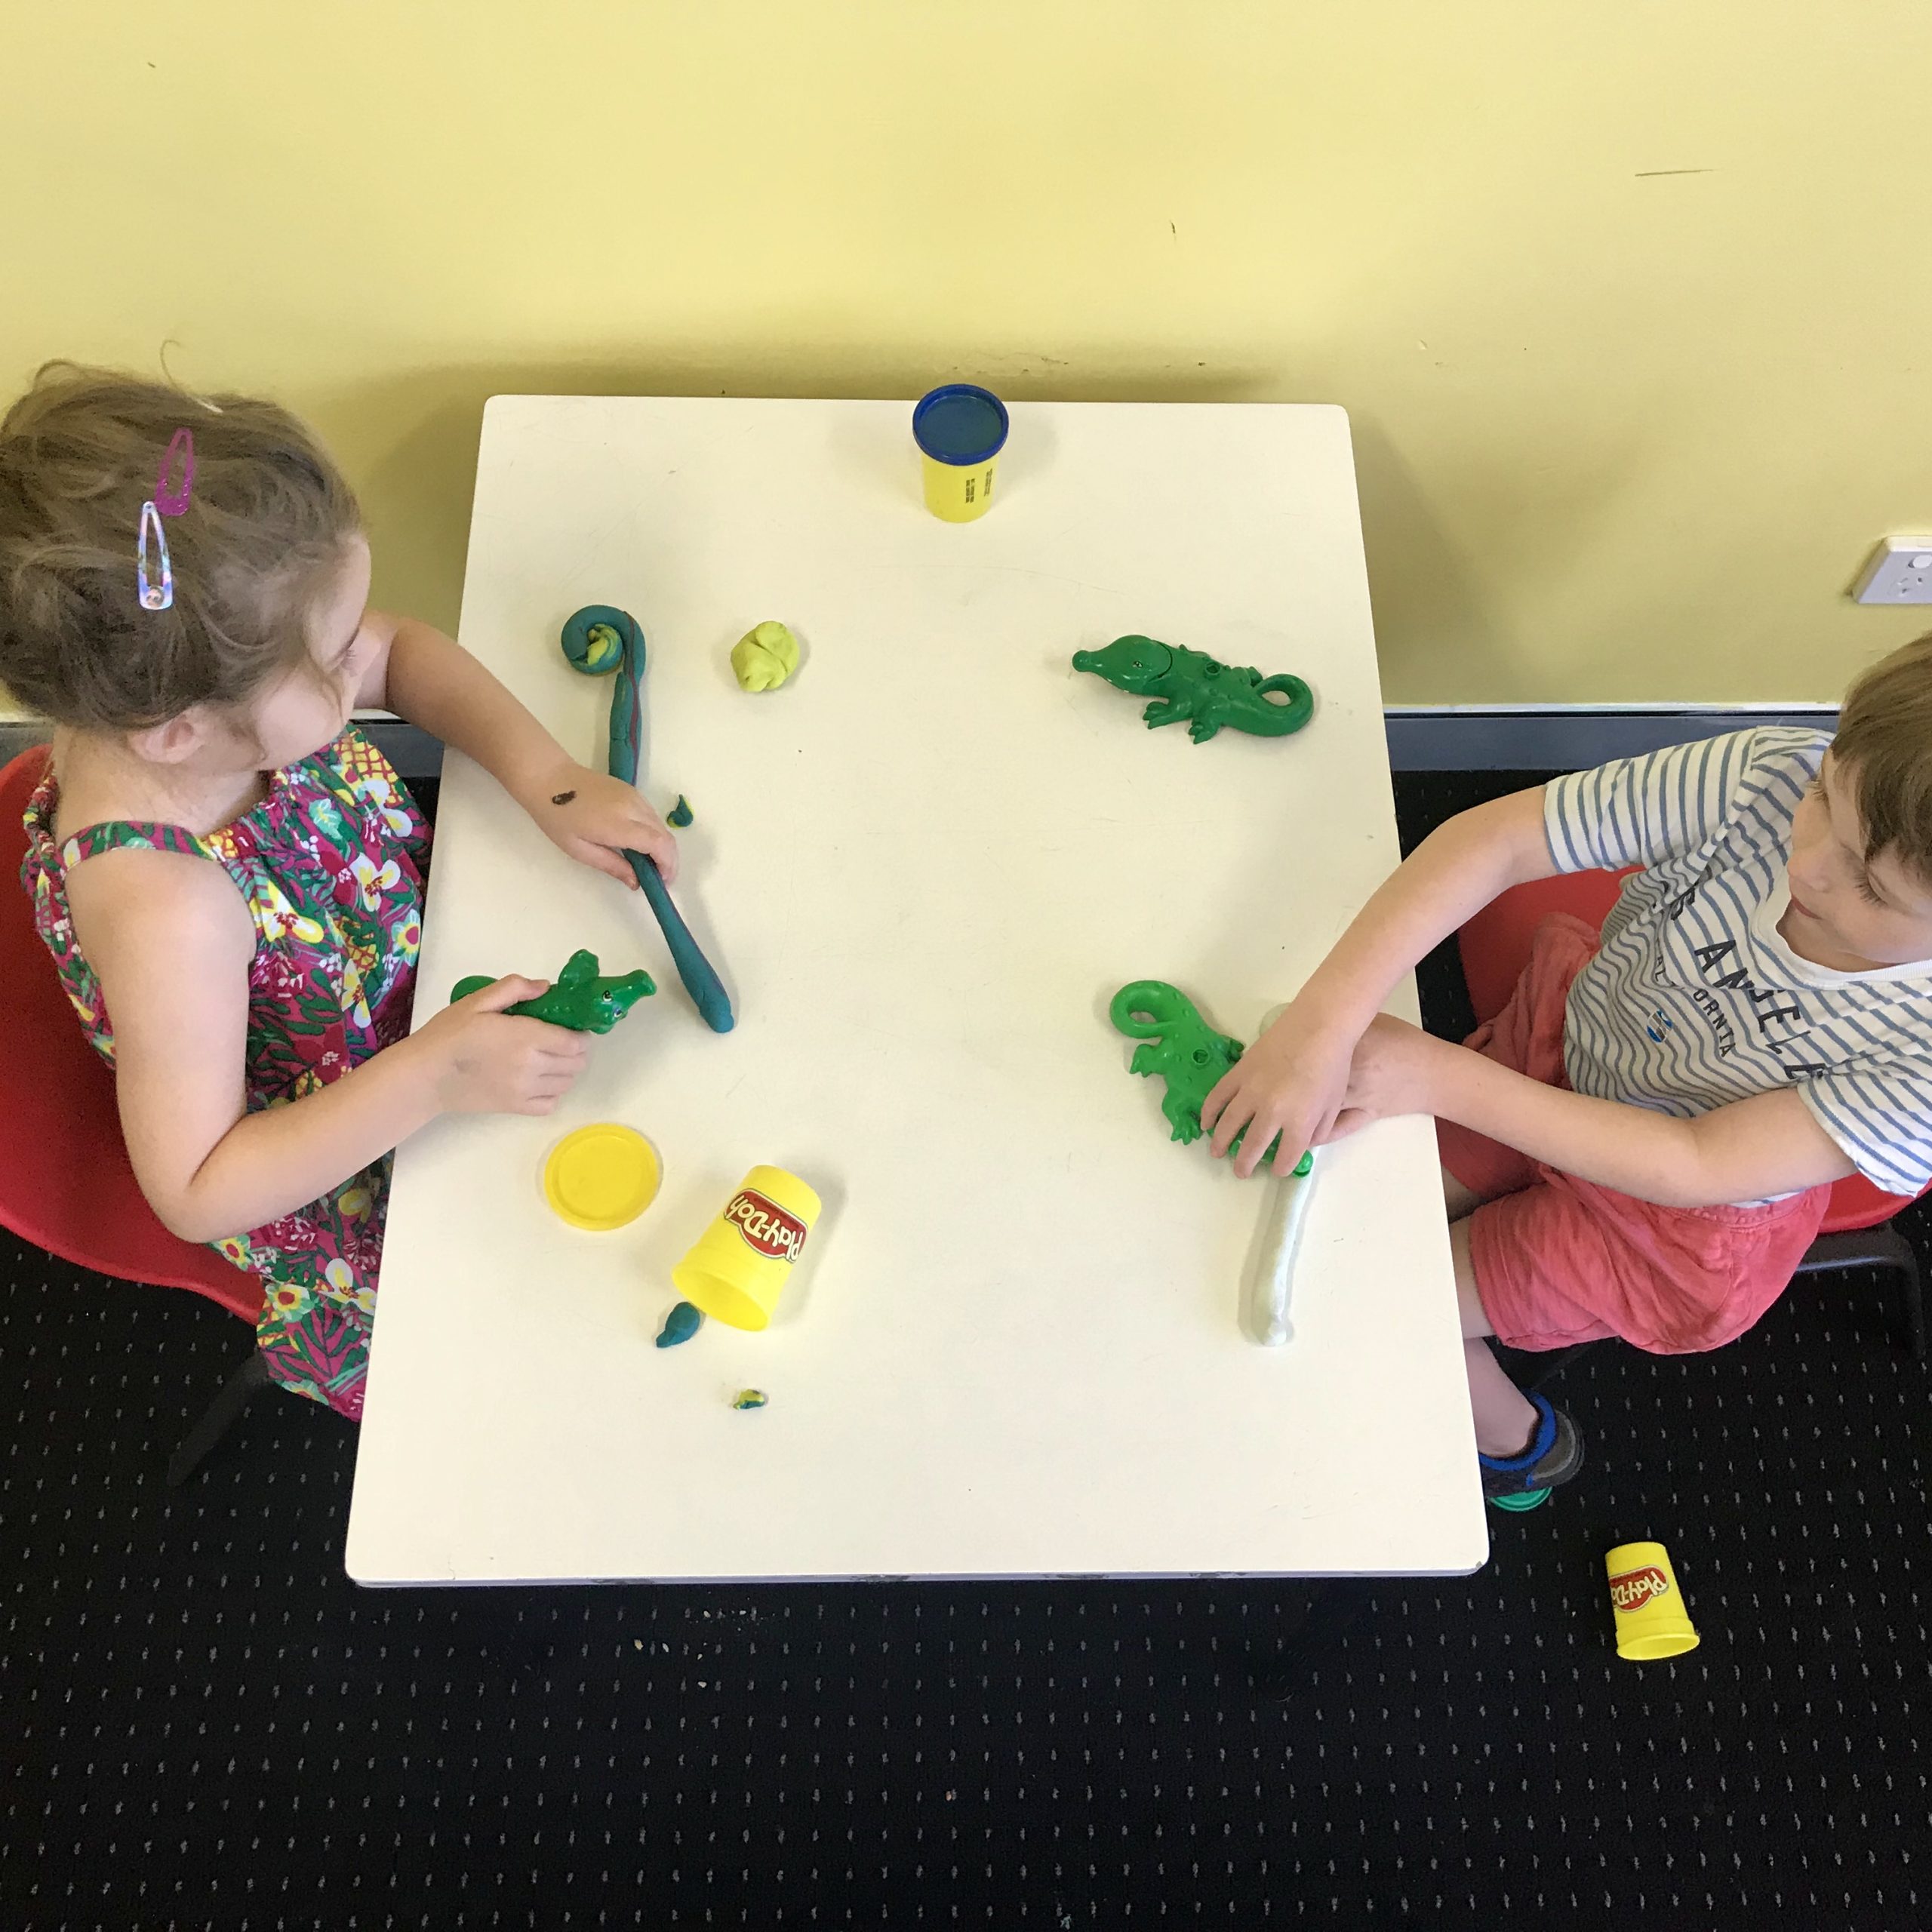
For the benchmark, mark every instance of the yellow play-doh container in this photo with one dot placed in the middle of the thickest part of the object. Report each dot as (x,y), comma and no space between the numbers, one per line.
(601,1177)
(955,494)
(1652,1619)
(738,1267)
(960,429)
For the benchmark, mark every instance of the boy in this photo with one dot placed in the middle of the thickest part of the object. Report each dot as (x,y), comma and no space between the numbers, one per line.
(1642,1143)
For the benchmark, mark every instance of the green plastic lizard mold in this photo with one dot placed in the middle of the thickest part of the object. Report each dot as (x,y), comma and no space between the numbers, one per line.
(1181,1049)
(1190,685)
(578,998)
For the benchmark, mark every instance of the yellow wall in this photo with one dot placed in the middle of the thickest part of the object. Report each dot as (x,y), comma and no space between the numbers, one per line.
(1625,429)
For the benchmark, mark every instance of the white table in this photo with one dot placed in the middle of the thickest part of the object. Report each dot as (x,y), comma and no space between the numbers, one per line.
(924,867)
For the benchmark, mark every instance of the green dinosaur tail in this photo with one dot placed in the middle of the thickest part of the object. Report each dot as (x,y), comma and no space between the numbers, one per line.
(1283,718)
(1146,1009)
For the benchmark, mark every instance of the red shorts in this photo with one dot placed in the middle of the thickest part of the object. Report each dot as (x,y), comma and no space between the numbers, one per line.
(1558,1260)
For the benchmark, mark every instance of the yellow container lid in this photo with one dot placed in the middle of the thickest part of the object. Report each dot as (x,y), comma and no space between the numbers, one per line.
(601,1177)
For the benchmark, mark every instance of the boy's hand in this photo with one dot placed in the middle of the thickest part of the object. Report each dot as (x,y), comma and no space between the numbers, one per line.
(483,1060)
(1396,1069)
(596,818)
(1290,1082)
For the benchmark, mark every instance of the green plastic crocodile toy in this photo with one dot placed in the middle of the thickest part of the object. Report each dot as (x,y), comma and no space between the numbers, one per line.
(578,998)
(1190,685)
(1182,1049)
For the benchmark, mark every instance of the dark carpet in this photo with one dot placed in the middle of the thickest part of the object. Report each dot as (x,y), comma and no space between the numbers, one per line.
(203,1724)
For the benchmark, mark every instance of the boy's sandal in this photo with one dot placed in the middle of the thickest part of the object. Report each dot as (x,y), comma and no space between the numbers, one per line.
(1554,1454)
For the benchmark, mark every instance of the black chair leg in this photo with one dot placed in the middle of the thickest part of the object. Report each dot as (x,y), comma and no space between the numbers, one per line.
(1549,1367)
(1911,1287)
(1881,1247)
(221,1415)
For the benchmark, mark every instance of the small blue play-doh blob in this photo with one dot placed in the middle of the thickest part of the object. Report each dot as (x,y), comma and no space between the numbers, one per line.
(680,1325)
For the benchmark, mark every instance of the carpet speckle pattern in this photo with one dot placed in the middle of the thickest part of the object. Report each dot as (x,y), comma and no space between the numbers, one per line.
(203,1724)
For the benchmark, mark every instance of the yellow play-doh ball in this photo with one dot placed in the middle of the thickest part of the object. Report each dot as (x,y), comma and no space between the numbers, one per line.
(764,656)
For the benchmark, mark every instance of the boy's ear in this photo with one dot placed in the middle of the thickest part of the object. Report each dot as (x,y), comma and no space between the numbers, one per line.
(175,739)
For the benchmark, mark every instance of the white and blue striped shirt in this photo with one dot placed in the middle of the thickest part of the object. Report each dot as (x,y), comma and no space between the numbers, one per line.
(1694,1001)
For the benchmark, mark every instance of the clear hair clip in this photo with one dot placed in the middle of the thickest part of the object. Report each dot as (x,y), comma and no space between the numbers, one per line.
(156,582)
(157,590)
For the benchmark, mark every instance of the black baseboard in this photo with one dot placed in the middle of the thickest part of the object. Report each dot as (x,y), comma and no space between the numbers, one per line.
(1421,737)
(1568,738)
(409,748)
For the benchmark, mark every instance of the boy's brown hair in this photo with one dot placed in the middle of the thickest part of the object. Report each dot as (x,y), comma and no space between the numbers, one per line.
(264,534)
(1884,747)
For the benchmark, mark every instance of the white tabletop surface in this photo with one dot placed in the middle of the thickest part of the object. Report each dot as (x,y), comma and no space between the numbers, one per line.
(923,868)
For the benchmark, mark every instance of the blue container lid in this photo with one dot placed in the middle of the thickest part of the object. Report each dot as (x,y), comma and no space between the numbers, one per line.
(959,423)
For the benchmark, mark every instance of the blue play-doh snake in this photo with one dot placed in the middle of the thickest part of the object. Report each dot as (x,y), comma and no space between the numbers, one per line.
(598,640)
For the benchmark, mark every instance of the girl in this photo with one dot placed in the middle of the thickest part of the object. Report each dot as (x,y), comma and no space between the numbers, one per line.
(228,874)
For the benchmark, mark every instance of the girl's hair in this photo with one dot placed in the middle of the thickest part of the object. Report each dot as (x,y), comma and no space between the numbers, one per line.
(262,538)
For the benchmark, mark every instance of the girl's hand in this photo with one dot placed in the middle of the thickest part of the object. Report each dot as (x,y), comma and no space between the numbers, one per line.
(1290,1082)
(596,818)
(485,1061)
(1395,1069)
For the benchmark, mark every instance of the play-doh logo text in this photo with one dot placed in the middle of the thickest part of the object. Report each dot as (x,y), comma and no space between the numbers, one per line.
(765,1225)
(1635,1587)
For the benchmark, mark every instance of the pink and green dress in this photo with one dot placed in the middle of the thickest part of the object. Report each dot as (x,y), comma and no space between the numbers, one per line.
(330,865)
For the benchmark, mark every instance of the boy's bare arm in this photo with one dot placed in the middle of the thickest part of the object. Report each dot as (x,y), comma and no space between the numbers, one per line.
(1769,1144)
(1291,1081)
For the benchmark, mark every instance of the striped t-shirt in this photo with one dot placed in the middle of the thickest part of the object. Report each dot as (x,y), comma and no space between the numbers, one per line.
(1694,1001)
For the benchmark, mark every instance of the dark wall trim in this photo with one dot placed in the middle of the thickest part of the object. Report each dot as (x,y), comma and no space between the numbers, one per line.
(1473,738)
(408,747)
(411,749)
(1459,738)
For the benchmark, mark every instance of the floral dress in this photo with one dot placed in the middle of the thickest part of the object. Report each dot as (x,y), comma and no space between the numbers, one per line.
(331,866)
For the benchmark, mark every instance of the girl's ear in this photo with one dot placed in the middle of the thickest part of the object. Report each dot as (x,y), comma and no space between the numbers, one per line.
(176,740)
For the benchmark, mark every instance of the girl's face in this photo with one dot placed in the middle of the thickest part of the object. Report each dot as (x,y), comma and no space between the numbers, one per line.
(1846,914)
(307,707)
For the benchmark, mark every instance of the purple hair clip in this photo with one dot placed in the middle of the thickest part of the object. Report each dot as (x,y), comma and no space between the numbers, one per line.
(157,585)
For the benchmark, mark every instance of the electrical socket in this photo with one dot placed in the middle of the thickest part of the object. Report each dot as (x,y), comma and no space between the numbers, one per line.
(1900,572)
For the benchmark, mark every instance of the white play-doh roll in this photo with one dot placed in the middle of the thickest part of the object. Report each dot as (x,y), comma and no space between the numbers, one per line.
(1274,1270)
(1265,1313)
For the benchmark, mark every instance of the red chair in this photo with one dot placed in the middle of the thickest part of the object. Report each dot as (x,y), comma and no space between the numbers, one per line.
(1495,946)
(65,1182)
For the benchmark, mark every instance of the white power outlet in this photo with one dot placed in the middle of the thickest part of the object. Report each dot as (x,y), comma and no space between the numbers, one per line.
(1900,572)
